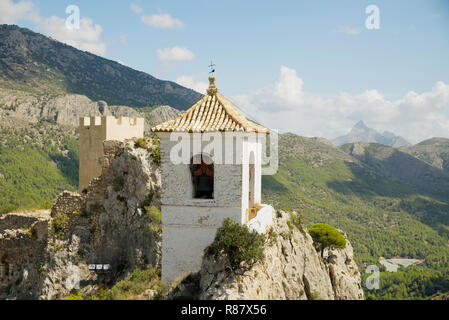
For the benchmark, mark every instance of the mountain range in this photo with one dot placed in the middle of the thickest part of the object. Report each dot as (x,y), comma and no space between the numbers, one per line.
(35,63)
(361,133)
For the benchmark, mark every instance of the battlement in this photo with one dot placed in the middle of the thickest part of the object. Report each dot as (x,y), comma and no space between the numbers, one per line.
(93,132)
(91,121)
(110,121)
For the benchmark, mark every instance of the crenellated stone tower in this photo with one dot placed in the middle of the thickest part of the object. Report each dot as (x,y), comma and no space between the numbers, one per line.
(93,131)
(211,170)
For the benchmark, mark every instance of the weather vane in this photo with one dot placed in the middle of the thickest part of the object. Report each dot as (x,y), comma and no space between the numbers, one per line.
(212,69)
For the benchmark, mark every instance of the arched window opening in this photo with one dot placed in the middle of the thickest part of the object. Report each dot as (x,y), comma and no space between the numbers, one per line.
(252,181)
(202,169)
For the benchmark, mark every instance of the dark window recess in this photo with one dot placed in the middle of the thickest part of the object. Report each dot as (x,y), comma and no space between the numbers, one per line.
(202,168)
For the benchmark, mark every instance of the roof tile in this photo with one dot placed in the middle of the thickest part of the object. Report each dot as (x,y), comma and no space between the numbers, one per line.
(212,113)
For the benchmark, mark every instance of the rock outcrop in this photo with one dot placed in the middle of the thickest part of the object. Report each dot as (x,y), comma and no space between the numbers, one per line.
(64,109)
(23,238)
(292,269)
(110,224)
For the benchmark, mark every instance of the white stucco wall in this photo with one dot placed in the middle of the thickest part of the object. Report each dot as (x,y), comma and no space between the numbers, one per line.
(186,231)
(263,219)
(248,147)
(177,180)
(188,224)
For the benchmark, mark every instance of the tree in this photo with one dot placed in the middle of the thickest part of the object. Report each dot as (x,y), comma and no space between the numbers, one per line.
(325,236)
(238,244)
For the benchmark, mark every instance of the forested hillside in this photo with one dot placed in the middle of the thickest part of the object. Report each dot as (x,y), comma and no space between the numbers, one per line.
(37,162)
(381,216)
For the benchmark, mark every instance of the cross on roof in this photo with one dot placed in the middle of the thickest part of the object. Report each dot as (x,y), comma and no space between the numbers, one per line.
(212,69)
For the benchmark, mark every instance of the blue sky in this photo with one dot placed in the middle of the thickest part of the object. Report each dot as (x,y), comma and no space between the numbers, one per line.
(250,40)
(325,43)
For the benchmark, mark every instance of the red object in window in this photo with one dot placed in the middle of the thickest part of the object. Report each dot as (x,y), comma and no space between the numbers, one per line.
(203,169)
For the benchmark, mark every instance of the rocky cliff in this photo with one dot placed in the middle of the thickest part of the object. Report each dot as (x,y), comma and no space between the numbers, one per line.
(292,269)
(111,224)
(66,109)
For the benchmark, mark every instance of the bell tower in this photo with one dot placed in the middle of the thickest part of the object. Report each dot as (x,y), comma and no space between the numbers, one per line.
(211,170)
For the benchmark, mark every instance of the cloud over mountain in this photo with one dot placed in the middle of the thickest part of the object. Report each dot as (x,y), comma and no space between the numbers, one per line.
(162,21)
(192,83)
(86,38)
(285,105)
(11,12)
(175,54)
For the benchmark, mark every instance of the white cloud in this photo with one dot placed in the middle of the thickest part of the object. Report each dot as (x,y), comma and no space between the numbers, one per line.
(284,105)
(163,21)
(190,82)
(11,12)
(136,8)
(175,54)
(86,38)
(348,30)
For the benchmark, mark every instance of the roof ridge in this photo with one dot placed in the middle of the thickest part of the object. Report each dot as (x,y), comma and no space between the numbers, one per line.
(232,113)
(213,112)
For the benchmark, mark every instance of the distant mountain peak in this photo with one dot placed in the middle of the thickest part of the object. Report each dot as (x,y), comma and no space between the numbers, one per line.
(360,125)
(362,133)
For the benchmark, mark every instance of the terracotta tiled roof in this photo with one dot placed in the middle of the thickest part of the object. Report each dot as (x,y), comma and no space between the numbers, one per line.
(212,113)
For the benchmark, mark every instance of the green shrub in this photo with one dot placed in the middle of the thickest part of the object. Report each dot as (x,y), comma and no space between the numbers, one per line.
(141,143)
(316,295)
(325,236)
(156,150)
(47,204)
(297,220)
(154,214)
(74,296)
(238,244)
(61,223)
(154,217)
(134,286)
